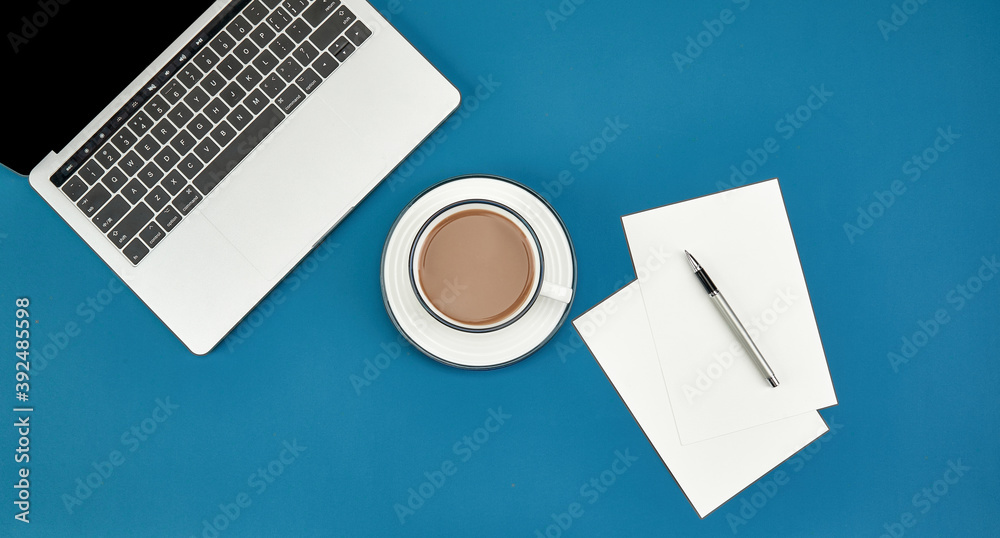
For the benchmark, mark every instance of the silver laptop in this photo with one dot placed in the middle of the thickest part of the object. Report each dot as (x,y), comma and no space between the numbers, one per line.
(238,149)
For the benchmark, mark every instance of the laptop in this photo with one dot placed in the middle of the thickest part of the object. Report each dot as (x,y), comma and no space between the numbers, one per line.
(202,149)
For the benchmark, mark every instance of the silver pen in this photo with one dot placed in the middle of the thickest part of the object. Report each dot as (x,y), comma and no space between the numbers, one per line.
(734,322)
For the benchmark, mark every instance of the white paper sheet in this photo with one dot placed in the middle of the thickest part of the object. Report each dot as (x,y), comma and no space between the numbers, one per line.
(744,241)
(711,472)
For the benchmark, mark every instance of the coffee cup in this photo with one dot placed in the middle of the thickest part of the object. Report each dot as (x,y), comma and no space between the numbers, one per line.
(477,266)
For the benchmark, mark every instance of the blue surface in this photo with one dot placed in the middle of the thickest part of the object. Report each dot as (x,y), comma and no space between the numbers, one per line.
(293,372)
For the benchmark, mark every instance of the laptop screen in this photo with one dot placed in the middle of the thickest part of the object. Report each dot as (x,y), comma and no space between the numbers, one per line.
(65,60)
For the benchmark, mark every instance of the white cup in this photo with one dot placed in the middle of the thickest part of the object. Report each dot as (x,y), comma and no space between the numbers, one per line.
(539,287)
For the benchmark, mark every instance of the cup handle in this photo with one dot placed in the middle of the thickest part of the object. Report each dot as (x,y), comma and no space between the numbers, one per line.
(556,292)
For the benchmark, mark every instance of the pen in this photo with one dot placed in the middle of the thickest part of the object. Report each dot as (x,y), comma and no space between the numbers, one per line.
(734,322)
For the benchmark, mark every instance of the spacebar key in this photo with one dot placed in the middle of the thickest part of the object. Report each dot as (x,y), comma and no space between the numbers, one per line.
(238,149)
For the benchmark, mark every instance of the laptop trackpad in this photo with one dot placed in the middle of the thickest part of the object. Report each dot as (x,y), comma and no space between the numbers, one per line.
(302,179)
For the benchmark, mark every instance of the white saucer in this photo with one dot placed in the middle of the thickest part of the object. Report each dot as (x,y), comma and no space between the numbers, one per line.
(458,348)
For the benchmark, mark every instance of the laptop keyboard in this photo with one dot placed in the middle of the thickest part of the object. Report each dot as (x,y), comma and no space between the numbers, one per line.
(175,141)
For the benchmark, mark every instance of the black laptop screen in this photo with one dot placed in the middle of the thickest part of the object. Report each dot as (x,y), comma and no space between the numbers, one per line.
(65,60)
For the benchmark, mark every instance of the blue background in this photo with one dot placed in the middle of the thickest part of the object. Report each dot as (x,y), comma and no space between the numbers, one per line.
(293,371)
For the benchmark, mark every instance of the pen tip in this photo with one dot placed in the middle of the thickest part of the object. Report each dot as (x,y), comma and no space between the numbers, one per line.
(693,262)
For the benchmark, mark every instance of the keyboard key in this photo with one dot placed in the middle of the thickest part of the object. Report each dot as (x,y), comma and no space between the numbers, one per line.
(319,11)
(249,78)
(358,33)
(229,67)
(235,152)
(130,225)
(151,234)
(183,142)
(156,107)
(256,101)
(281,46)
(206,59)
(114,179)
(239,118)
(196,99)
(96,197)
(130,163)
(174,182)
(187,200)
(190,75)
(265,62)
(199,126)
(289,69)
(333,27)
(289,99)
(308,80)
(164,131)
(173,91)
(112,212)
(166,158)
(190,166)
(305,53)
(246,50)
(216,110)
(180,114)
(140,123)
(134,191)
(108,155)
(298,30)
(157,198)
(279,19)
(262,35)
(75,188)
(255,12)
(213,83)
(147,147)
(135,251)
(222,43)
(168,218)
(91,171)
(239,28)
(233,94)
(295,6)
(272,85)
(272,3)
(223,133)
(345,48)
(150,174)
(325,64)
(207,149)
